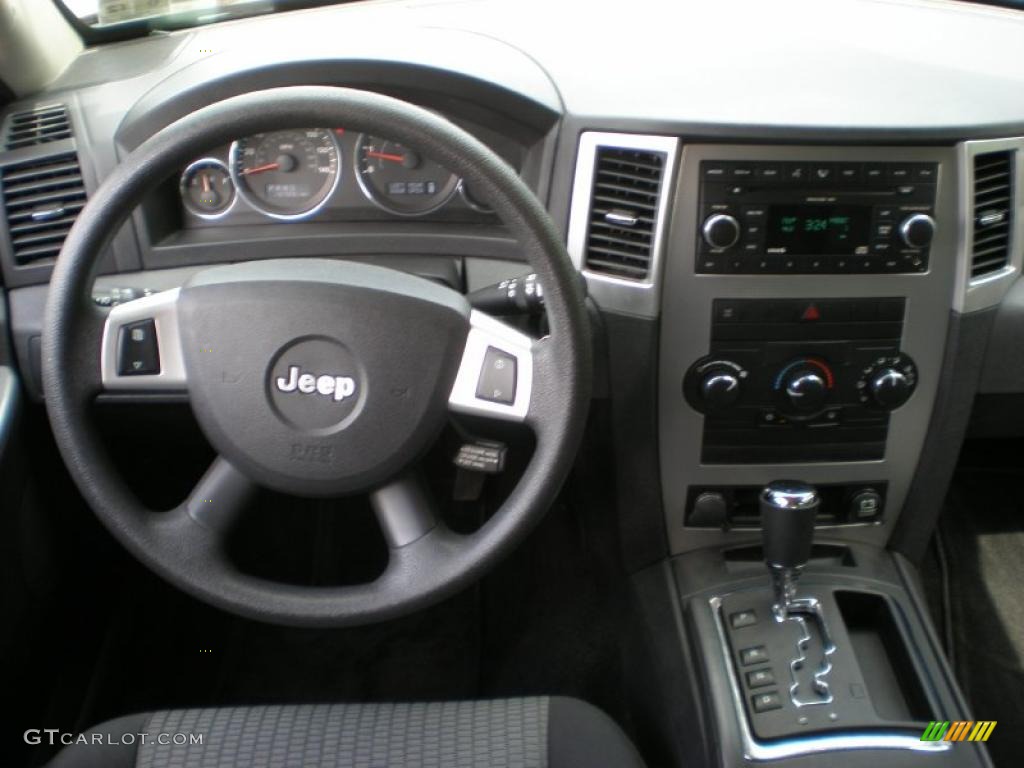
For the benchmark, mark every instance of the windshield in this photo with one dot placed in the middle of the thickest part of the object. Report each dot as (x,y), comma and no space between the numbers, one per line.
(172,14)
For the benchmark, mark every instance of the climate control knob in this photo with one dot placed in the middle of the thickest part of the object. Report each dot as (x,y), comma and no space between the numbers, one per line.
(721,230)
(720,389)
(889,382)
(806,390)
(890,388)
(917,231)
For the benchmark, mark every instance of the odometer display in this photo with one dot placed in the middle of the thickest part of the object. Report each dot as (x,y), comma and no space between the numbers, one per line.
(287,174)
(400,179)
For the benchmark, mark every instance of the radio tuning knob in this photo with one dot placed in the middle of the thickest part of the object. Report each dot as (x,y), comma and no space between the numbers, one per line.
(890,388)
(721,230)
(917,230)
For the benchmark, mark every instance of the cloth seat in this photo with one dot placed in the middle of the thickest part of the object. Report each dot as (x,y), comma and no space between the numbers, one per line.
(533,732)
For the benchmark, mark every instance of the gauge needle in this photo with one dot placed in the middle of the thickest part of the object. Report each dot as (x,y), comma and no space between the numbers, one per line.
(386,156)
(206,182)
(261,168)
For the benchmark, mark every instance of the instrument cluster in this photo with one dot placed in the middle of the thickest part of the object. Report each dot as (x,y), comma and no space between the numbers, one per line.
(293,175)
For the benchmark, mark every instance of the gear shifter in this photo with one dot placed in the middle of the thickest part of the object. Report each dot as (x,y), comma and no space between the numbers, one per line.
(788,509)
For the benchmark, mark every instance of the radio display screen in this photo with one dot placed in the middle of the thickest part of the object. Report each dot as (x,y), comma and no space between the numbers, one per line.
(818,229)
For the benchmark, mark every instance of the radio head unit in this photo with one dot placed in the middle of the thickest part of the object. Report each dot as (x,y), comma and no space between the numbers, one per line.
(805,218)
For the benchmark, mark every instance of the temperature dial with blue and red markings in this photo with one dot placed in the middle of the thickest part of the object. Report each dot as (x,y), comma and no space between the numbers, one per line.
(803,386)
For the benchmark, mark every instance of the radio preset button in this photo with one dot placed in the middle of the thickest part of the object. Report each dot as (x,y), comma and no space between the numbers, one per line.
(849,173)
(874,173)
(820,173)
(796,172)
(714,171)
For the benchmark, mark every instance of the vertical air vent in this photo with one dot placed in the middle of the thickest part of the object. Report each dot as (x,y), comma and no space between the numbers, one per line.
(993,212)
(41,200)
(37,126)
(624,211)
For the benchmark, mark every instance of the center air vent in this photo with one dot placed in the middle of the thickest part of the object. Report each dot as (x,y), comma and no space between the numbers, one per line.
(37,126)
(623,212)
(993,212)
(41,200)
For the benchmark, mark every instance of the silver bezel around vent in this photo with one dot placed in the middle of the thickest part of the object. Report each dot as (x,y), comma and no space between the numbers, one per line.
(973,294)
(634,297)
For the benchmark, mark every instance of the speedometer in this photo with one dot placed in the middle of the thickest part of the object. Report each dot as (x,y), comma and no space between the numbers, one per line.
(287,174)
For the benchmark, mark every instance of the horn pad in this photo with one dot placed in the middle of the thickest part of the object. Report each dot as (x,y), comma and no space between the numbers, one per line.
(319,377)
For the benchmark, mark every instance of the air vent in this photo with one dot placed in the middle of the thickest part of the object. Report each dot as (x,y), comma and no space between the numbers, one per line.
(37,126)
(623,211)
(41,200)
(993,212)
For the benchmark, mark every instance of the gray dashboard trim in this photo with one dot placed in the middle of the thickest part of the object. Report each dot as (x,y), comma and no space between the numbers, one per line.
(635,297)
(686,332)
(988,291)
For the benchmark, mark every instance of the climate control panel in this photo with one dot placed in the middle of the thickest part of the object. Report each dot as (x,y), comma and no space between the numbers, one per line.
(800,379)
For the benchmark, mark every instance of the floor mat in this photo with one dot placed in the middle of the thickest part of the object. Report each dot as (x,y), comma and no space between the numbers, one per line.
(983,532)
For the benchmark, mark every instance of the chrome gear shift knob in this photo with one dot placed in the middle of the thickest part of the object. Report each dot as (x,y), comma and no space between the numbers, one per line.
(788,509)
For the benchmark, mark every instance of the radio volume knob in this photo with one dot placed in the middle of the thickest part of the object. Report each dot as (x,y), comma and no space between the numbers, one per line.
(917,231)
(890,388)
(721,230)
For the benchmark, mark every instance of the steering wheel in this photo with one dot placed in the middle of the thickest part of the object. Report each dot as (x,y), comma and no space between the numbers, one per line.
(315,377)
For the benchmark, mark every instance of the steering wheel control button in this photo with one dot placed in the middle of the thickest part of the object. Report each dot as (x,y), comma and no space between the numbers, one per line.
(766,702)
(760,678)
(138,353)
(757,654)
(742,619)
(497,382)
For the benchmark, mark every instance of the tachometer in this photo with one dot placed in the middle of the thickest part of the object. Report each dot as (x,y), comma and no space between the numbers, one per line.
(399,179)
(287,174)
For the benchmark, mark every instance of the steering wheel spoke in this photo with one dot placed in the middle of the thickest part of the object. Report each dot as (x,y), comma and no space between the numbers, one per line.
(219,496)
(495,378)
(404,510)
(141,346)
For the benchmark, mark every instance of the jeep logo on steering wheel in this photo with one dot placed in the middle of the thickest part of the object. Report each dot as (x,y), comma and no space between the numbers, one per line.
(337,387)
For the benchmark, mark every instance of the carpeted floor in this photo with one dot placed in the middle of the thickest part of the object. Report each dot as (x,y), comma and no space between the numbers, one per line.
(983,534)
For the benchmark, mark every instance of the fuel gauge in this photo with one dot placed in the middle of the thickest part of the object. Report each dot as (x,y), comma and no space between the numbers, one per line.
(207,189)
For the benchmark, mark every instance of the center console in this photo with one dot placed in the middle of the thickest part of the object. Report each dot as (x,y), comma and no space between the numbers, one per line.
(804,299)
(837,661)
(806,295)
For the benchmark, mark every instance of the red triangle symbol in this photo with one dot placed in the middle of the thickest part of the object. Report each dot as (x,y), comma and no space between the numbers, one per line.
(811,313)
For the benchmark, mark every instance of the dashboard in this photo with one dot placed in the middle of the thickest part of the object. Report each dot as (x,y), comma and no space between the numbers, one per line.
(797,278)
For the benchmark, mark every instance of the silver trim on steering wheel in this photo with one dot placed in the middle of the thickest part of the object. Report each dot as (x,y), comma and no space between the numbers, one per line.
(162,308)
(487,332)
